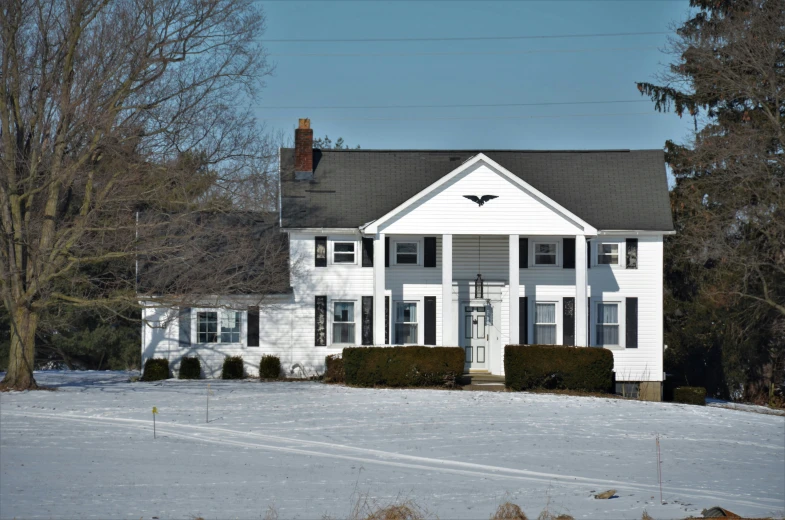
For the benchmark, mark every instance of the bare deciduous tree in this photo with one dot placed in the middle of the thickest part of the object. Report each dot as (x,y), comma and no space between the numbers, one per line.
(111,110)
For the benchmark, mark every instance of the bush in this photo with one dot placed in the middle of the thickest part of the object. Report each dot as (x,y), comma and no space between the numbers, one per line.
(402,366)
(333,369)
(233,368)
(690,395)
(156,369)
(270,367)
(190,368)
(555,367)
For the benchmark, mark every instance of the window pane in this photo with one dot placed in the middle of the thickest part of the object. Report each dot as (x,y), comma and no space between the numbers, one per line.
(607,313)
(405,333)
(545,313)
(546,248)
(545,334)
(343,332)
(343,252)
(344,312)
(344,247)
(608,254)
(406,312)
(207,327)
(406,247)
(607,335)
(230,327)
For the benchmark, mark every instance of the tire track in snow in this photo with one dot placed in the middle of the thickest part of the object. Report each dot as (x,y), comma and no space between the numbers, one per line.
(389,458)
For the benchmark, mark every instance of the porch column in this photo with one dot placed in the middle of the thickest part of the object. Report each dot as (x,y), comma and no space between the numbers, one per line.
(515,282)
(449,329)
(581,293)
(378,289)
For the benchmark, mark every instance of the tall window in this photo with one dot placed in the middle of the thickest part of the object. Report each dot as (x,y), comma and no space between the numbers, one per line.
(207,327)
(343,253)
(230,327)
(607,324)
(545,323)
(545,253)
(405,323)
(343,322)
(608,254)
(406,253)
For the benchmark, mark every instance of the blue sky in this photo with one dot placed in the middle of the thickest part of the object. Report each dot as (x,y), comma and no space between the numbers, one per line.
(546,70)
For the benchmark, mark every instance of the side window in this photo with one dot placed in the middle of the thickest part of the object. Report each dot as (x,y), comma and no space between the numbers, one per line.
(218,327)
(230,327)
(545,323)
(344,252)
(207,327)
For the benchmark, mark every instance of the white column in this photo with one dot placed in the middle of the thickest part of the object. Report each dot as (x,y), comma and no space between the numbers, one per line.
(515,283)
(581,293)
(378,289)
(449,328)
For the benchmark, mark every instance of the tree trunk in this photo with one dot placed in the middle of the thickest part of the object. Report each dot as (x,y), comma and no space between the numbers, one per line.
(20,363)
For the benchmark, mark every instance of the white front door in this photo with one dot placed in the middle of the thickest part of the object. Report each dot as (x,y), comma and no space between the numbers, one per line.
(474,337)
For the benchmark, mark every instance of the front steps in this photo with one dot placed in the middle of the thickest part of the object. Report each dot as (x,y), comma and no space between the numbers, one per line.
(482,381)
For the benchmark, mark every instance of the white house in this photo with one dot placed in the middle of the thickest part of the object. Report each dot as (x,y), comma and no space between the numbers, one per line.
(478,249)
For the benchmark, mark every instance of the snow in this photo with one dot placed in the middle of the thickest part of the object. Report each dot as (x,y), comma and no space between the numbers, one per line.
(308,449)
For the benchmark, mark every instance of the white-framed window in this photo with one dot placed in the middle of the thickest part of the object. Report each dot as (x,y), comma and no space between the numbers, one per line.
(608,254)
(218,327)
(405,323)
(545,253)
(607,324)
(343,322)
(344,252)
(545,323)
(407,253)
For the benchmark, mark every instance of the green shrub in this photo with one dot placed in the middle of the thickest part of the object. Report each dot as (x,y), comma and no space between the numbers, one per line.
(270,367)
(690,395)
(233,368)
(555,367)
(190,368)
(402,366)
(333,369)
(155,369)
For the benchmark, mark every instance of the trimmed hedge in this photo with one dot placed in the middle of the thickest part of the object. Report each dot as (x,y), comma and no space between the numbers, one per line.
(333,369)
(402,366)
(190,368)
(556,367)
(269,367)
(156,369)
(690,395)
(233,368)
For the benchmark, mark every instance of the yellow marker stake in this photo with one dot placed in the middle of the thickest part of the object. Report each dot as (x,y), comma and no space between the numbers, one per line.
(155,412)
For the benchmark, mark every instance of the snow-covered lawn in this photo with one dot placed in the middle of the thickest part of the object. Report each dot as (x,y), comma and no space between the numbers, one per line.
(308,449)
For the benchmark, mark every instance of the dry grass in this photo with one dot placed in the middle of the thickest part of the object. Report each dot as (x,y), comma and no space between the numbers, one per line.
(646,516)
(509,511)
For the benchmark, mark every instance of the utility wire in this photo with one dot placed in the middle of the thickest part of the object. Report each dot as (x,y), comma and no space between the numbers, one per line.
(476,117)
(478,105)
(458,38)
(460,53)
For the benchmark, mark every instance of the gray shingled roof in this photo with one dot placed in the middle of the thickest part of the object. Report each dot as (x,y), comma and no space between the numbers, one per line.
(613,189)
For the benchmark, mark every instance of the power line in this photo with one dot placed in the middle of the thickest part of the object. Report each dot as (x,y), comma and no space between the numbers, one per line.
(478,105)
(464,53)
(476,117)
(458,38)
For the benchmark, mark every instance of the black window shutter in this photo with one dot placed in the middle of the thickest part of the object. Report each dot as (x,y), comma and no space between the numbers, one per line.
(632,253)
(568,255)
(632,322)
(429,255)
(184,323)
(386,320)
(367,252)
(367,317)
(523,253)
(568,322)
(386,251)
(430,320)
(321,321)
(523,320)
(253,326)
(588,322)
(588,254)
(321,251)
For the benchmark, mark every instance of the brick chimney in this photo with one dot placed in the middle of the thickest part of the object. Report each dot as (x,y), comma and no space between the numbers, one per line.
(303,151)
